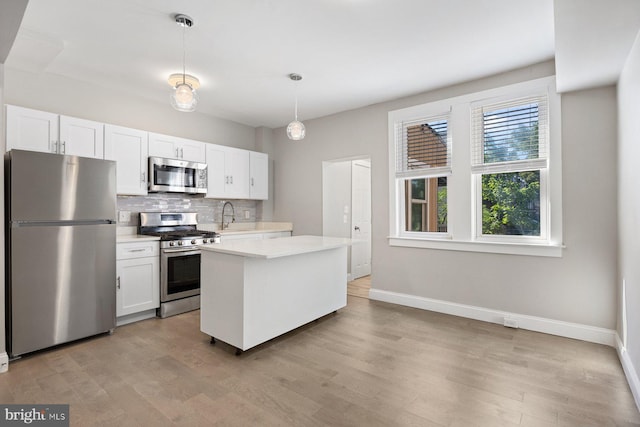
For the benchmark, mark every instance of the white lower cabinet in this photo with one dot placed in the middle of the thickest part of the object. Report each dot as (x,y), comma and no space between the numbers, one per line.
(137,281)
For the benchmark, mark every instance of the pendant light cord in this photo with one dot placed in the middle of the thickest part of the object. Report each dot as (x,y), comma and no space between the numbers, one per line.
(184,52)
(296,103)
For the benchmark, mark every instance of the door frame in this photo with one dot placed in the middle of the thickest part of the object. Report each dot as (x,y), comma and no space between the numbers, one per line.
(331,215)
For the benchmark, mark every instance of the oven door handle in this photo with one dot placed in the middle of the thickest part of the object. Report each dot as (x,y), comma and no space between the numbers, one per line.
(185,250)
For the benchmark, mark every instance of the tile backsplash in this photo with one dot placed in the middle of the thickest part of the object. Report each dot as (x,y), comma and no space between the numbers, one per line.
(209,210)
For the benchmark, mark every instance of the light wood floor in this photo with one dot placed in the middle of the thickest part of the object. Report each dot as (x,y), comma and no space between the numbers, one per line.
(370,364)
(359,287)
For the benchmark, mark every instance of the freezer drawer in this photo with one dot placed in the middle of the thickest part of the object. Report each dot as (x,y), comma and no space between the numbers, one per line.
(62,284)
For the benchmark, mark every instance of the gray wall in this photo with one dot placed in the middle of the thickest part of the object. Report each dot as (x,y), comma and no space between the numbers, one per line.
(579,287)
(629,202)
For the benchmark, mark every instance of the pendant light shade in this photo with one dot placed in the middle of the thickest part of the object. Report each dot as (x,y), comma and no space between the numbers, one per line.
(296,130)
(184,96)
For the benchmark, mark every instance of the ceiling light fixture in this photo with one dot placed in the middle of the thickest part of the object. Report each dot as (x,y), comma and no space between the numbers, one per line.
(296,129)
(184,96)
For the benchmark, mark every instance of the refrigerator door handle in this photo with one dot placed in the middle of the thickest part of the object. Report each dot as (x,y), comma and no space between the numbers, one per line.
(17,224)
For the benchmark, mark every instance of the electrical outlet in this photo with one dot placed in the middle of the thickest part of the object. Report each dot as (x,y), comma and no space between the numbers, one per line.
(124,216)
(510,322)
(247,215)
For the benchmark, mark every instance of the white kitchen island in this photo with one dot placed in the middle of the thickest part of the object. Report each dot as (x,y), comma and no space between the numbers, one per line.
(255,290)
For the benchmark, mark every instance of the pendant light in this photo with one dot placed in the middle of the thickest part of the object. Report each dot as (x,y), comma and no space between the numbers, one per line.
(296,129)
(184,96)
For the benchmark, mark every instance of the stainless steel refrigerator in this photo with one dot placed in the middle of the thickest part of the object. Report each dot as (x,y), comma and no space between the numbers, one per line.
(60,248)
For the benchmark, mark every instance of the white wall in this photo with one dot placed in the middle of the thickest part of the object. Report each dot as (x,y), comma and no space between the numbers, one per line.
(629,207)
(57,94)
(336,197)
(579,287)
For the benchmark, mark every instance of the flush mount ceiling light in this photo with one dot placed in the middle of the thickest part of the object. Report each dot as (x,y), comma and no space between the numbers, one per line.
(296,129)
(184,96)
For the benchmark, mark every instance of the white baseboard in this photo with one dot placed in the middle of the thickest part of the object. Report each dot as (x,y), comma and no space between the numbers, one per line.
(4,362)
(629,371)
(532,323)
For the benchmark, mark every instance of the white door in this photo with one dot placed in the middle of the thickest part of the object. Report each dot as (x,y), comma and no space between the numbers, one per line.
(79,137)
(128,147)
(361,219)
(31,130)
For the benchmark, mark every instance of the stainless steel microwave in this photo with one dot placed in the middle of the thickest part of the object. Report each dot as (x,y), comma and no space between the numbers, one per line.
(177,176)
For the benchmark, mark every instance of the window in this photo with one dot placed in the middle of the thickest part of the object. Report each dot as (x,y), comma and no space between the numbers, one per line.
(426,208)
(423,162)
(479,172)
(509,165)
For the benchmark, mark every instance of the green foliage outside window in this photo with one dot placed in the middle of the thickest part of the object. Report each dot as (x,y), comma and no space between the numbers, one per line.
(511,203)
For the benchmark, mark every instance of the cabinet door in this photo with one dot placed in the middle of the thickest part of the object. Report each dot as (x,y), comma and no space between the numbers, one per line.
(215,171)
(138,285)
(79,137)
(172,147)
(31,130)
(236,165)
(193,151)
(128,147)
(258,176)
(163,146)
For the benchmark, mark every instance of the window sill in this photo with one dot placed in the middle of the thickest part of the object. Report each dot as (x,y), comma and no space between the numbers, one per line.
(543,250)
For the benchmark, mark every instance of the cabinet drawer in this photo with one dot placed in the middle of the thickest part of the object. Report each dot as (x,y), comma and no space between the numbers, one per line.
(137,250)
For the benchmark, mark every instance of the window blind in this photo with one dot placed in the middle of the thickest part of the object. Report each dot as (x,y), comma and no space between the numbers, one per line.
(510,134)
(422,146)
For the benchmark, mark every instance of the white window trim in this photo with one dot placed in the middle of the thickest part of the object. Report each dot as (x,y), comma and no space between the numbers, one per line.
(462,222)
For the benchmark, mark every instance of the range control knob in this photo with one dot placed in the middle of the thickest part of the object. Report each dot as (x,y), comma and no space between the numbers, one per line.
(204,240)
(193,242)
(172,243)
(180,243)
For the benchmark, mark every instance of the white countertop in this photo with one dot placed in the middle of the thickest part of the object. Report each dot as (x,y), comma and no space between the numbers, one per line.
(128,238)
(248,227)
(280,247)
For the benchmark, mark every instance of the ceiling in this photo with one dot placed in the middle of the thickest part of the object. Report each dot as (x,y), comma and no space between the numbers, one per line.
(351,53)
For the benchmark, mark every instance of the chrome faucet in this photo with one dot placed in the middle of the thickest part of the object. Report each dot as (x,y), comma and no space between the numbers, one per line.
(233,214)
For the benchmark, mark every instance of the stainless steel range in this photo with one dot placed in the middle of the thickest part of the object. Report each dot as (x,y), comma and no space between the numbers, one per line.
(180,240)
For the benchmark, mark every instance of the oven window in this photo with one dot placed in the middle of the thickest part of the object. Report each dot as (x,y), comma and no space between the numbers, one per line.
(183,273)
(173,176)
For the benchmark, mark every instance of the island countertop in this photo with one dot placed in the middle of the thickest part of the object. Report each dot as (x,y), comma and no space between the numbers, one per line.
(276,248)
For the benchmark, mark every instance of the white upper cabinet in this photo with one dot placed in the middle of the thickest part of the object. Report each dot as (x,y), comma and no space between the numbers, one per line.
(79,137)
(31,130)
(227,172)
(128,147)
(258,175)
(234,173)
(172,147)
(35,130)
